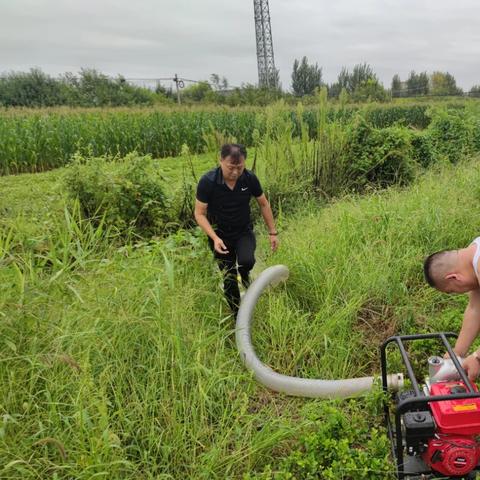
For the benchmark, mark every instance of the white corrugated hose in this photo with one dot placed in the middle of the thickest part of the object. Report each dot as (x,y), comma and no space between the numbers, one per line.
(300,387)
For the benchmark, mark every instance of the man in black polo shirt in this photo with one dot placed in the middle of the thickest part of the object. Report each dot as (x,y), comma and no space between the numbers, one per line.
(222,210)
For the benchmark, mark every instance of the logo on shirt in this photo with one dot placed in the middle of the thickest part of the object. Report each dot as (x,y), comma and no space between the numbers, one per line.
(243,189)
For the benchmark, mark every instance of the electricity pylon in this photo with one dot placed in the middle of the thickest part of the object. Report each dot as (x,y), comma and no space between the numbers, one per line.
(267,74)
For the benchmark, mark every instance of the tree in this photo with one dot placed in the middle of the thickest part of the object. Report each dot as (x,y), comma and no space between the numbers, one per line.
(164,91)
(217,82)
(417,84)
(370,90)
(422,83)
(362,72)
(305,78)
(396,86)
(475,91)
(249,94)
(197,92)
(275,80)
(344,79)
(93,88)
(31,89)
(342,83)
(334,90)
(443,83)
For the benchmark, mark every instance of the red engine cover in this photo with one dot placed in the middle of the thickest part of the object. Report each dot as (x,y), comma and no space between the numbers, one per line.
(452,455)
(461,417)
(454,450)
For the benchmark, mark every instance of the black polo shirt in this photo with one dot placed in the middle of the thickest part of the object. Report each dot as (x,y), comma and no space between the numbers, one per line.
(228,210)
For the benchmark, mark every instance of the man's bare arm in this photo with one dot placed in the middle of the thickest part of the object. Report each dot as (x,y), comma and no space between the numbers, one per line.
(471,324)
(266,212)
(267,215)
(202,220)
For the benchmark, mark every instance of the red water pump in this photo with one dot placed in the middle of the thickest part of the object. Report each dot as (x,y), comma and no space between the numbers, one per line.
(453,450)
(436,424)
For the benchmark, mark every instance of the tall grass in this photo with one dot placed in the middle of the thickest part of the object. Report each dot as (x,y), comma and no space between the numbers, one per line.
(316,164)
(120,362)
(313,165)
(121,381)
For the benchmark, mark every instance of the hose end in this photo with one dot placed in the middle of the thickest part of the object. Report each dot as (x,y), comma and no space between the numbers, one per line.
(395,381)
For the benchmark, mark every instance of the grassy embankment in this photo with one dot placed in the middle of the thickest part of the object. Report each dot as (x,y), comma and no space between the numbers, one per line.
(120,362)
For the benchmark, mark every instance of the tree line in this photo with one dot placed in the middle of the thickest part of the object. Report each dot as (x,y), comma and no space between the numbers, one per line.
(91,88)
(362,84)
(436,84)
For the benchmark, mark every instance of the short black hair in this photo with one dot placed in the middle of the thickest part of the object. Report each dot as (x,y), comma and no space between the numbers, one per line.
(233,150)
(427,267)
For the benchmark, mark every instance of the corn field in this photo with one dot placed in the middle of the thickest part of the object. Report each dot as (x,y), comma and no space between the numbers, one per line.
(40,140)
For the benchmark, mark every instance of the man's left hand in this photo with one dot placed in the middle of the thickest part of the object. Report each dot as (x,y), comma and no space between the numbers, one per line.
(273,242)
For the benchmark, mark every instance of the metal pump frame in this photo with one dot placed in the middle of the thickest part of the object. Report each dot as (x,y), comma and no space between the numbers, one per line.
(414,465)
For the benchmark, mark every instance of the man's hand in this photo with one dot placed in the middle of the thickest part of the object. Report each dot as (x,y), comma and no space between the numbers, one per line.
(472,366)
(273,242)
(219,246)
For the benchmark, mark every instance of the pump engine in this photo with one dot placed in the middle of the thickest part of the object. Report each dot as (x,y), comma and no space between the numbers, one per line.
(437,423)
(444,434)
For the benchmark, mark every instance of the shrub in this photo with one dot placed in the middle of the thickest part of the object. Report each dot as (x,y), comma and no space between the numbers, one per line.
(340,445)
(32,89)
(473,112)
(183,201)
(126,193)
(379,157)
(278,163)
(451,133)
(476,136)
(423,150)
(370,90)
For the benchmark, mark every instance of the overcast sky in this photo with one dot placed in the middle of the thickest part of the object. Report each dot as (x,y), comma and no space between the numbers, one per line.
(157,38)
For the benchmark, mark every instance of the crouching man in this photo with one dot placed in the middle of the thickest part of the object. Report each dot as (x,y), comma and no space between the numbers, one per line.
(457,271)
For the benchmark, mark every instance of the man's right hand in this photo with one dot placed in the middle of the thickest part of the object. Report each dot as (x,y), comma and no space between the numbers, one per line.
(219,246)
(472,366)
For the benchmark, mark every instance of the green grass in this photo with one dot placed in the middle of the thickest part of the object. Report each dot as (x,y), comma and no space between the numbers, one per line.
(119,362)
(29,201)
